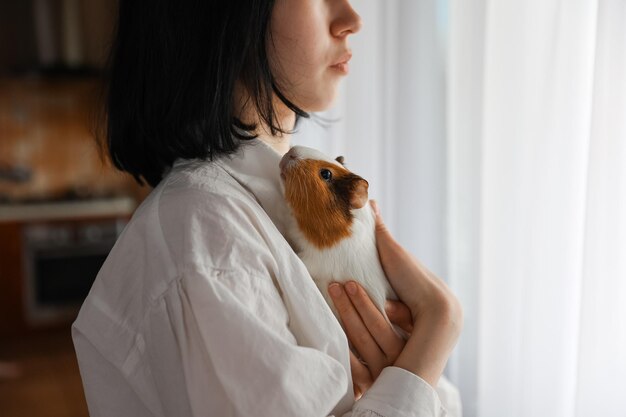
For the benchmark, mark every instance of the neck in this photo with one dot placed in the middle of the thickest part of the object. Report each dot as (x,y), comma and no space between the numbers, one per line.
(280,142)
(245,111)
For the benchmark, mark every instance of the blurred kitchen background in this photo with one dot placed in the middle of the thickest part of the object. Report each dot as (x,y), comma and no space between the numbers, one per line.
(61,206)
(492,133)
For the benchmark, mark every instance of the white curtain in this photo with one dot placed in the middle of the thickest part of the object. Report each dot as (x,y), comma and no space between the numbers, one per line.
(545,242)
(494,135)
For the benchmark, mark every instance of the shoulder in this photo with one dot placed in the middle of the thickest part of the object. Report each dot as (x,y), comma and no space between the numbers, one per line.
(189,176)
(202,195)
(209,220)
(197,222)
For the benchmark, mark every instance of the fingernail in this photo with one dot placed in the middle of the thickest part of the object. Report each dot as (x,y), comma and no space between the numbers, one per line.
(351,288)
(334,290)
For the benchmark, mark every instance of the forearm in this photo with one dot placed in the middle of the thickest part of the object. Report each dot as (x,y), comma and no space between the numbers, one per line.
(429,346)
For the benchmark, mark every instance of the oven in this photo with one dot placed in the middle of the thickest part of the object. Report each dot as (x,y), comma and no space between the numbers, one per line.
(60,262)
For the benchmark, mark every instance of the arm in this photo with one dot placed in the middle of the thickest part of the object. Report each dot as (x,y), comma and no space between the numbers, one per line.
(241,359)
(379,346)
(433,311)
(436,312)
(238,329)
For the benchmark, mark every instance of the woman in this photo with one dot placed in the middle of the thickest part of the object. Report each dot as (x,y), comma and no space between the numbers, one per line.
(202,308)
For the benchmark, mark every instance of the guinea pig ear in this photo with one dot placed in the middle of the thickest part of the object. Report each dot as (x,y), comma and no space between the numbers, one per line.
(340,160)
(359,196)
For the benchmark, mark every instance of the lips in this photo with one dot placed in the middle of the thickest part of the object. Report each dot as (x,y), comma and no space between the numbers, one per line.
(343,59)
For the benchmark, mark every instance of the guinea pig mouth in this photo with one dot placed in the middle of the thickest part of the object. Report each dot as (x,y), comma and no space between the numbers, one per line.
(285,164)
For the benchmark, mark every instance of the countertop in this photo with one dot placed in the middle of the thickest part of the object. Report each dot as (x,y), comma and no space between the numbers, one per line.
(58,210)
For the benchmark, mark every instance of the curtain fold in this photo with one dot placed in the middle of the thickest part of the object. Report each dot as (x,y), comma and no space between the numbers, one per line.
(549,333)
(601,367)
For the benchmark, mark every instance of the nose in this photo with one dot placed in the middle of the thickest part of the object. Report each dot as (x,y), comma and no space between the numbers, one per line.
(288,157)
(347,22)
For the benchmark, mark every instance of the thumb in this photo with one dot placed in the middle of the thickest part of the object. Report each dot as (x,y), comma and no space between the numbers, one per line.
(361,377)
(383,235)
(389,250)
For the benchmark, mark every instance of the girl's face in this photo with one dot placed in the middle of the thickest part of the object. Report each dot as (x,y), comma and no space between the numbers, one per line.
(310,37)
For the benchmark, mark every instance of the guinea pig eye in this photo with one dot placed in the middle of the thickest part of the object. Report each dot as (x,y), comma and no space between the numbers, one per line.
(326,174)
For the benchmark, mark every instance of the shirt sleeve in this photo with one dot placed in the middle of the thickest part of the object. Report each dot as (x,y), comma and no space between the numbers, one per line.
(450,397)
(398,392)
(240,359)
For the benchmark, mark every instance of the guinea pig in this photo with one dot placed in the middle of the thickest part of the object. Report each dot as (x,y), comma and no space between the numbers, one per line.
(334,228)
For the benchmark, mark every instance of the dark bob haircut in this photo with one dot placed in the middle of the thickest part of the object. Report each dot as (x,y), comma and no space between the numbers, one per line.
(170,81)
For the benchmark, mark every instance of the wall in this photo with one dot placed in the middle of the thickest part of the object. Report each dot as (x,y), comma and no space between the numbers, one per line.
(46,125)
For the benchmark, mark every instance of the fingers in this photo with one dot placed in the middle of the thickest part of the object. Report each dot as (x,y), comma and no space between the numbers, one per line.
(384,335)
(381,229)
(380,225)
(413,283)
(388,248)
(357,332)
(400,315)
(361,377)
(375,208)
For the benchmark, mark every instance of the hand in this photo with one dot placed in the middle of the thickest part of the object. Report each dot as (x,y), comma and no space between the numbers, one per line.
(400,315)
(375,341)
(436,312)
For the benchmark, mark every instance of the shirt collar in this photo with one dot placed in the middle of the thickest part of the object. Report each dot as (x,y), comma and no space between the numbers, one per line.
(255,167)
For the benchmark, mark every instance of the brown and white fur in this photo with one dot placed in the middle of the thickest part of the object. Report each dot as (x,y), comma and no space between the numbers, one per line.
(334,228)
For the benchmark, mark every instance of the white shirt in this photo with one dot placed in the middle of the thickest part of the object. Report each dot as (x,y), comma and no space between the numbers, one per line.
(203,309)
